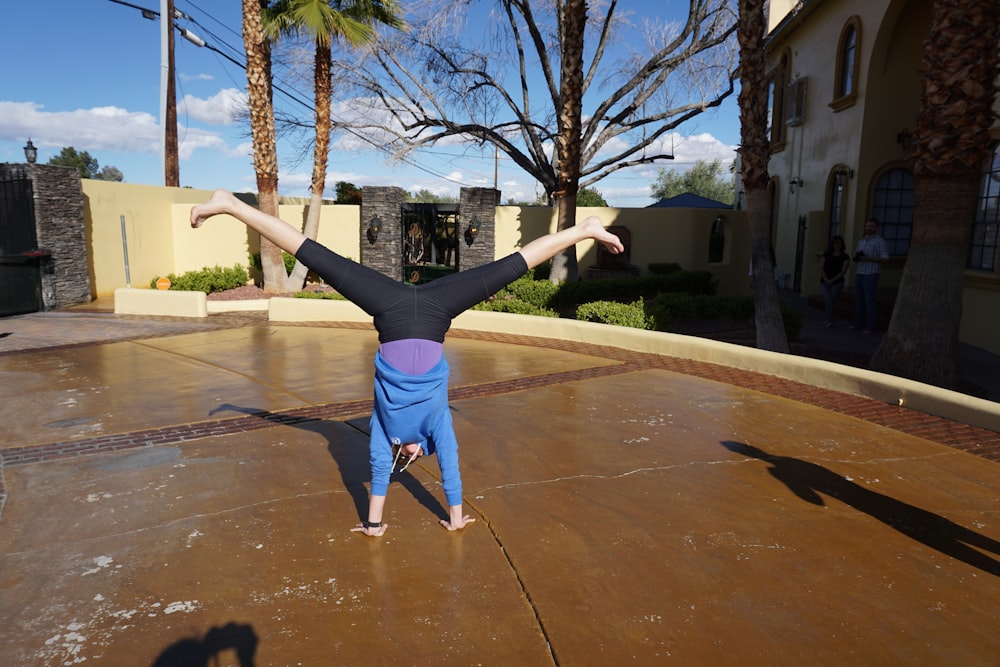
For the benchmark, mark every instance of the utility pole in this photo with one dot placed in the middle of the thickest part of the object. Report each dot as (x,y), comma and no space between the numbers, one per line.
(168,95)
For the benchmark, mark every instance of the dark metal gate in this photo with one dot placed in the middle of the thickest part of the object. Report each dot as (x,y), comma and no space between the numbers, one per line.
(20,259)
(430,241)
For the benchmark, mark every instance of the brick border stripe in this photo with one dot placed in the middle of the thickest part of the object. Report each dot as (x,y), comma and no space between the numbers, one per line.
(971,439)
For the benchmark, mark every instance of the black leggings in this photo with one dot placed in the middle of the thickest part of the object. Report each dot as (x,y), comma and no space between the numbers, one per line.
(410,311)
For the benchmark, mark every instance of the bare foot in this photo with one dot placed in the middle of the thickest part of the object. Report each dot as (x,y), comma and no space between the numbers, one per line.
(595,230)
(217,204)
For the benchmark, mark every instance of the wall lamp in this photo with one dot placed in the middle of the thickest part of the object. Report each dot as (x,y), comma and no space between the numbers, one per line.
(30,152)
(374,228)
(905,139)
(841,175)
(472,231)
(795,183)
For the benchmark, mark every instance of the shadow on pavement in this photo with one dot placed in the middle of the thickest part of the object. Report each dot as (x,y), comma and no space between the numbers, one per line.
(811,482)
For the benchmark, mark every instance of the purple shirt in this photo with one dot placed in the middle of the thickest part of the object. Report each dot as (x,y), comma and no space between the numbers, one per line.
(413,356)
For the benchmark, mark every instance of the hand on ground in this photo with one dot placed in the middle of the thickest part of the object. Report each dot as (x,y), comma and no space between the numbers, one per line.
(370,532)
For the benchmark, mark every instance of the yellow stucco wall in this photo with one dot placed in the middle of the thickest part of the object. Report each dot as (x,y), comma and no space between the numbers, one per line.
(658,235)
(161,241)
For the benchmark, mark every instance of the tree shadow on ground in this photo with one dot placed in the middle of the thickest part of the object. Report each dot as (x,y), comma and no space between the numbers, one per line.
(811,482)
(352,460)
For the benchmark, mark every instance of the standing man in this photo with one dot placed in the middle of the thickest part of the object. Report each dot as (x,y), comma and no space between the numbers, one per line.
(871,254)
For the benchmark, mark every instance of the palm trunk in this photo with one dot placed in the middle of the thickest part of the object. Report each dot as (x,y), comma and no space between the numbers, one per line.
(572,23)
(755,154)
(960,63)
(321,152)
(922,340)
(262,128)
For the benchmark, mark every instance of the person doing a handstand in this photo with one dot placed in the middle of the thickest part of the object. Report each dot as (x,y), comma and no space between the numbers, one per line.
(411,374)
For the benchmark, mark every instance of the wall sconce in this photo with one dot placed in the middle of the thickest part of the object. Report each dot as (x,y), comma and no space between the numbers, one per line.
(472,231)
(795,183)
(30,152)
(841,175)
(904,139)
(374,227)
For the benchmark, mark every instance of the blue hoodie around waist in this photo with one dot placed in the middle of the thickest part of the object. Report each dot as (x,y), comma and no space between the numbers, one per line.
(413,408)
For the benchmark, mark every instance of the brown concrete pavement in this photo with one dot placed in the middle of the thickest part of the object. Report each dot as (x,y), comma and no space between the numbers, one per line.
(629,508)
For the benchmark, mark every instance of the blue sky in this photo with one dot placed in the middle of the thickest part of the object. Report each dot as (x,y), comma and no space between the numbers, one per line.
(86,73)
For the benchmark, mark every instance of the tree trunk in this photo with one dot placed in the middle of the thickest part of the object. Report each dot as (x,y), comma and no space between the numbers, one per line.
(572,23)
(755,154)
(321,152)
(922,340)
(960,63)
(265,157)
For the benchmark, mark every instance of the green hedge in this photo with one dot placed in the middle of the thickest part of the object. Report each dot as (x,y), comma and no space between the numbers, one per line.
(628,290)
(207,280)
(511,305)
(619,314)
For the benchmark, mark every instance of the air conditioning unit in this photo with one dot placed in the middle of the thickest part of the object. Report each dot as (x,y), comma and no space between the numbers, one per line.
(795,110)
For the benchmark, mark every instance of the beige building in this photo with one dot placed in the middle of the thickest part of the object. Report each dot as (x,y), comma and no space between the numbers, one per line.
(844,103)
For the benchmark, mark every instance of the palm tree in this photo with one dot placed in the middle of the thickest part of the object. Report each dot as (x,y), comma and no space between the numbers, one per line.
(265,156)
(572,23)
(321,21)
(961,62)
(754,155)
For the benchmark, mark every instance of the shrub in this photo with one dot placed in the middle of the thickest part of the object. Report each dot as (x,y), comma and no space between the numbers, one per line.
(511,305)
(627,290)
(536,292)
(208,280)
(671,310)
(663,267)
(313,294)
(619,314)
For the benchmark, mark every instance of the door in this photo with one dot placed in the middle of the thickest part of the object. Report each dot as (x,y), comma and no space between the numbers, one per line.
(20,259)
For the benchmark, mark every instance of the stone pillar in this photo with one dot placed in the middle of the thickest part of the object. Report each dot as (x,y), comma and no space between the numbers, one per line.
(481,204)
(61,230)
(385,255)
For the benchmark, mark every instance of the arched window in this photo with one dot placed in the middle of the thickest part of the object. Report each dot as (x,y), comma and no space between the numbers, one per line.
(983,246)
(892,206)
(837,193)
(845,91)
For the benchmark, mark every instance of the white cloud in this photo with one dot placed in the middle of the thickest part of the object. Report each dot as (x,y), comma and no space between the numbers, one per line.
(99,128)
(196,77)
(222,108)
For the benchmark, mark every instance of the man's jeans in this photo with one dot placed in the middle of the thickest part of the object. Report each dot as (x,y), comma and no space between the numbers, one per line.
(865,308)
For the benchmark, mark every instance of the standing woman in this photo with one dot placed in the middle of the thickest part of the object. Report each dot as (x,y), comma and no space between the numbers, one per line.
(835,265)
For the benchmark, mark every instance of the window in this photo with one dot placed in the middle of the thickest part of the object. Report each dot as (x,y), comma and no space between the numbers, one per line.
(892,206)
(983,246)
(776,102)
(846,77)
(796,102)
(836,206)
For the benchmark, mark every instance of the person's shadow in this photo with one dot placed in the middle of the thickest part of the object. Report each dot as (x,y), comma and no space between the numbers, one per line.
(194,652)
(811,482)
(351,460)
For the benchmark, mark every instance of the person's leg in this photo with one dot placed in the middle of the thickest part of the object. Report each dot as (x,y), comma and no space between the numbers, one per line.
(871,301)
(277,231)
(827,302)
(835,291)
(367,288)
(548,246)
(859,302)
(452,295)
